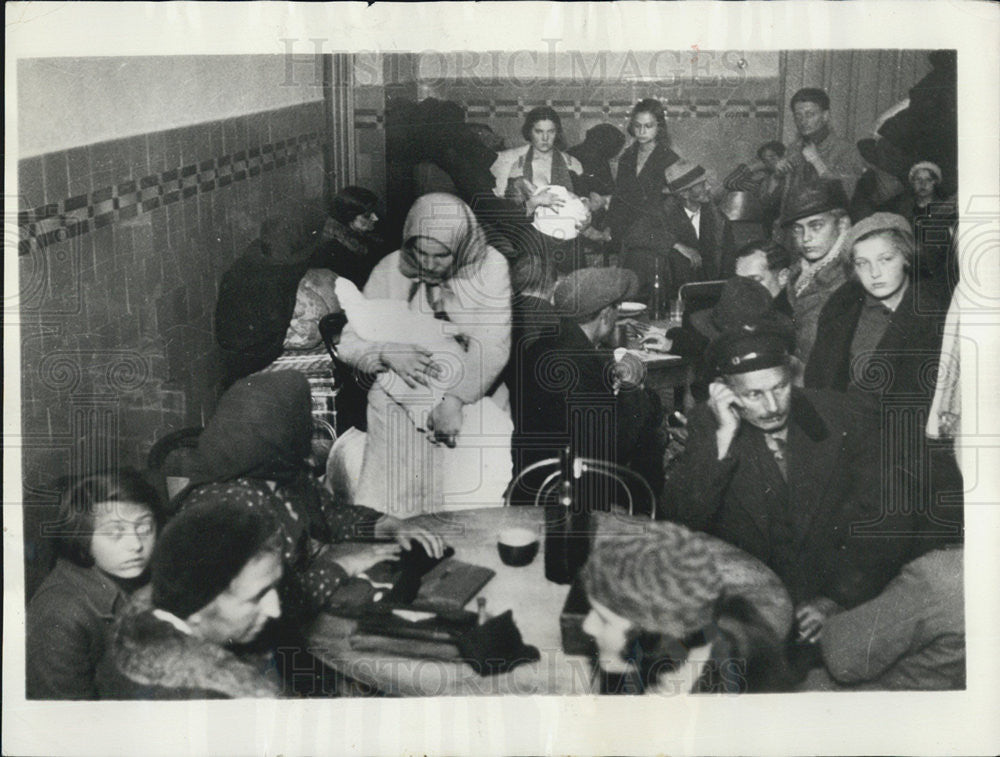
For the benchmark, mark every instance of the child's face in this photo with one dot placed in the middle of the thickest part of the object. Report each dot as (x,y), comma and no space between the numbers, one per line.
(124,533)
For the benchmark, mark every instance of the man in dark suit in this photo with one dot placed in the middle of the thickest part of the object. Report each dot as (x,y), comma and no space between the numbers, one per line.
(568,390)
(689,235)
(791,476)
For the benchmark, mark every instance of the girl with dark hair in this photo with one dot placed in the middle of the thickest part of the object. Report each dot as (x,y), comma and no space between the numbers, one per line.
(640,181)
(675,611)
(522,172)
(349,245)
(104,536)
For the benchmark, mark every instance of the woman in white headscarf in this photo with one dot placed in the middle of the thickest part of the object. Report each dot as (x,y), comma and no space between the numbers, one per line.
(447,280)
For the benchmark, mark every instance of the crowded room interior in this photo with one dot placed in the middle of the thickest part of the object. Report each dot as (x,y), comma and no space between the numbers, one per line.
(427,374)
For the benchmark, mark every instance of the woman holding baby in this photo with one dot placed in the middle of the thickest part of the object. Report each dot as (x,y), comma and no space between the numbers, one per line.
(428,395)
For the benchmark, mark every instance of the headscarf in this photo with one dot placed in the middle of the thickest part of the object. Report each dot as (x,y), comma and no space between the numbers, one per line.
(447,220)
(262,428)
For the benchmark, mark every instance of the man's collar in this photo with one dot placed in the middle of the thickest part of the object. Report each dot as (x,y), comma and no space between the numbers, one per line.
(820,136)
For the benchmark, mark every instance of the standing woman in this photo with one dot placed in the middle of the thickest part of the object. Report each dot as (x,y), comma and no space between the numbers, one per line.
(107,526)
(349,244)
(445,269)
(933,217)
(640,181)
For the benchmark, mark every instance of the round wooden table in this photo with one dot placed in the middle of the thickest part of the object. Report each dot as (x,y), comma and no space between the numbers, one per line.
(536,604)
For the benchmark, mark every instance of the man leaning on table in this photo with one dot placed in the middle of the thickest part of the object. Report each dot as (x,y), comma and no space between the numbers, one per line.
(214,586)
(571,391)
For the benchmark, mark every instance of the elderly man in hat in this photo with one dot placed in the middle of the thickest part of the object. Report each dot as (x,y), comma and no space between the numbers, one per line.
(790,475)
(688,234)
(569,390)
(214,586)
(818,152)
(817,223)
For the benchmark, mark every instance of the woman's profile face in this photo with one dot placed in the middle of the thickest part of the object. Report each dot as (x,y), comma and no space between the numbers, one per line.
(543,135)
(124,533)
(433,258)
(364,223)
(610,634)
(644,127)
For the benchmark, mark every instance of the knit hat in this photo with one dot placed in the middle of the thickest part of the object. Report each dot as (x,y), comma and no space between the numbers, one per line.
(589,290)
(878,222)
(925,165)
(665,578)
(681,175)
(203,549)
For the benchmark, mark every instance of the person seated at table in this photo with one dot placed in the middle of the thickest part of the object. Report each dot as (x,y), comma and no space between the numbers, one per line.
(910,637)
(743,300)
(675,611)
(215,576)
(349,245)
(565,379)
(876,336)
(792,476)
(259,293)
(254,450)
(107,525)
(689,235)
(768,263)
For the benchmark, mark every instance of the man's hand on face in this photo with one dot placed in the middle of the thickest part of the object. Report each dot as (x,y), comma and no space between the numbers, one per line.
(724,405)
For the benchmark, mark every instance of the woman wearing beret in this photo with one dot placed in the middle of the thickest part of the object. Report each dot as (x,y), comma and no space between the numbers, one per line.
(640,179)
(879,338)
(676,611)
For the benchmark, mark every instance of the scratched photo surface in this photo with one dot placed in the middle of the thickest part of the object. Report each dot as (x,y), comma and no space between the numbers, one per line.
(434,423)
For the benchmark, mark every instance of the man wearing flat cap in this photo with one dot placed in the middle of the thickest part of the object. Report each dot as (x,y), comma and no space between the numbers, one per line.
(215,572)
(817,223)
(786,474)
(689,235)
(569,390)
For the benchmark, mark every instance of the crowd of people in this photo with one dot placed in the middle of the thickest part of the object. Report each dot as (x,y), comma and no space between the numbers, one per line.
(807,532)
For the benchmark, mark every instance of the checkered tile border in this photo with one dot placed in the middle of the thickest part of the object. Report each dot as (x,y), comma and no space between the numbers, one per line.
(55,222)
(610,110)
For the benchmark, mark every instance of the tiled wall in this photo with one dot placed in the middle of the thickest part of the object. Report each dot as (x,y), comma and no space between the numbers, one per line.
(122,245)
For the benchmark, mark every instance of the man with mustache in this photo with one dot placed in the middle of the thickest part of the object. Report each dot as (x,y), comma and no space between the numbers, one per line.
(790,475)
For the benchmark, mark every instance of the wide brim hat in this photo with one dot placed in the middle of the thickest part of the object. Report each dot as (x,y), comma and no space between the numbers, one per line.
(820,196)
(742,300)
(590,290)
(681,175)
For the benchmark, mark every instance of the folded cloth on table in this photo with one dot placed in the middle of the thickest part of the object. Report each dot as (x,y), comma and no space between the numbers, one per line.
(496,646)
